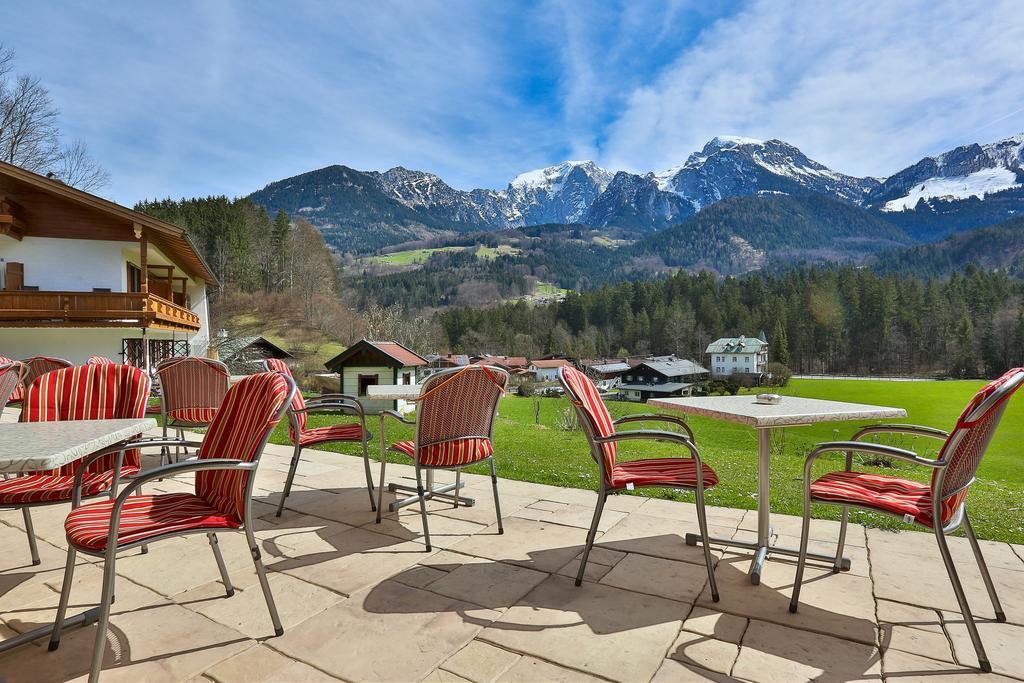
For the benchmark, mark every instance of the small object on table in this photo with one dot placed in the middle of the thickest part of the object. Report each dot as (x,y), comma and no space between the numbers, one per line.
(764,417)
(768,399)
(411,392)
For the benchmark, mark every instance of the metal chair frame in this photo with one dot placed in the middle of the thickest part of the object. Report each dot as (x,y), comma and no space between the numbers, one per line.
(421,492)
(326,403)
(605,489)
(112,548)
(179,426)
(49,363)
(7,391)
(940,466)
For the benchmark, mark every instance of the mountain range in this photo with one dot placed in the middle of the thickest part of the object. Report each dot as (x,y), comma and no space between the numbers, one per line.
(363,211)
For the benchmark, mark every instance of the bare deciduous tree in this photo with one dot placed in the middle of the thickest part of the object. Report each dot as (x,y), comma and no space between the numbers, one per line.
(29,134)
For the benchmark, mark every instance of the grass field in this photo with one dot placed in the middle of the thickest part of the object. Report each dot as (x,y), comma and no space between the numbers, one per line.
(545,453)
(410,257)
(491,253)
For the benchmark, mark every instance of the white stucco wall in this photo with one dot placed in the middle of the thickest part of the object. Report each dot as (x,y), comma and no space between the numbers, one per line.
(385,375)
(75,344)
(68,265)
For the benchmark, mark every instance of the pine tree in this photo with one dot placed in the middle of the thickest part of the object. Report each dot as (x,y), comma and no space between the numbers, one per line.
(779,343)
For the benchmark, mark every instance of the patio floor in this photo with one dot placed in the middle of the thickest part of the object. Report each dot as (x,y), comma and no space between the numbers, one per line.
(362,602)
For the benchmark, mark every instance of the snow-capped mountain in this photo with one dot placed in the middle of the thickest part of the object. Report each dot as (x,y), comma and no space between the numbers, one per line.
(557,194)
(968,171)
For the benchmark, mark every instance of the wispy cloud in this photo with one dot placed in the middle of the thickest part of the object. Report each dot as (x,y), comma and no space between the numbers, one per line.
(222,97)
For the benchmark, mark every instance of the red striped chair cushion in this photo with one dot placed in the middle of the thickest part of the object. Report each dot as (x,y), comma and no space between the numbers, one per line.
(50,488)
(143,517)
(885,493)
(585,396)
(197,416)
(249,411)
(298,404)
(448,453)
(10,381)
(343,432)
(672,472)
(89,392)
(99,360)
(192,383)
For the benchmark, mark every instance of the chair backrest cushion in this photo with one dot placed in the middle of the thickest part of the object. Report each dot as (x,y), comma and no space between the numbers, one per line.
(457,406)
(19,390)
(587,400)
(969,439)
(40,365)
(298,420)
(192,382)
(89,392)
(99,360)
(250,410)
(10,380)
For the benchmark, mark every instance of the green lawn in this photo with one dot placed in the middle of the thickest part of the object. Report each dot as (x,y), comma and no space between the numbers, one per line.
(408,258)
(491,253)
(544,453)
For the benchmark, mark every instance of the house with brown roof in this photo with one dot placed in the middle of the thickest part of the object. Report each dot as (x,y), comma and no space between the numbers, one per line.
(546,369)
(368,363)
(81,275)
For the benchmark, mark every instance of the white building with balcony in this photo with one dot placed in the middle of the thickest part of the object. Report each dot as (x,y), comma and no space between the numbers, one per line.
(738,356)
(80,275)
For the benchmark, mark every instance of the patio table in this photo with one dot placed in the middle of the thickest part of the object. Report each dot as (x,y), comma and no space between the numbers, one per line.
(792,411)
(34,446)
(410,392)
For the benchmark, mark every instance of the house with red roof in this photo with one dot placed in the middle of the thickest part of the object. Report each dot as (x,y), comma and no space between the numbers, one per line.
(546,369)
(368,363)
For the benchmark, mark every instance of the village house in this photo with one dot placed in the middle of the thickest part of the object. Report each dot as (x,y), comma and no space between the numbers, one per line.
(606,372)
(367,363)
(738,356)
(126,285)
(245,355)
(661,377)
(546,369)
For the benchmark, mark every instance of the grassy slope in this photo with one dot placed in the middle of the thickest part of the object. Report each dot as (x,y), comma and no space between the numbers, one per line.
(408,258)
(309,345)
(544,453)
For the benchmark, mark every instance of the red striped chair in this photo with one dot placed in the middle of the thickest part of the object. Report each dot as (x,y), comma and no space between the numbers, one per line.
(36,366)
(100,360)
(88,392)
(302,437)
(454,428)
(11,373)
(191,391)
(19,390)
(222,501)
(676,473)
(939,505)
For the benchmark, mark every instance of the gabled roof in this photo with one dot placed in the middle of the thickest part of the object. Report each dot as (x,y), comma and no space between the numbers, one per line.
(51,206)
(549,363)
(605,368)
(665,388)
(394,354)
(670,366)
(229,348)
(506,361)
(736,345)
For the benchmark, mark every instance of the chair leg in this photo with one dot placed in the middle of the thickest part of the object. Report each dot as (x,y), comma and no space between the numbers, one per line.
(65,595)
(228,588)
(837,566)
(261,572)
(497,504)
(99,646)
(369,475)
(961,597)
(30,530)
(983,567)
(591,535)
(455,493)
(423,505)
(805,532)
(291,476)
(380,486)
(702,522)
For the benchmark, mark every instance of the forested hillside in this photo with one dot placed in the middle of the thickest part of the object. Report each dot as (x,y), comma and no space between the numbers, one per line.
(845,320)
(996,247)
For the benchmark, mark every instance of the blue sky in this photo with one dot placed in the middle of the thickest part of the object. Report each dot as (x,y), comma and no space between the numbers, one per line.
(222,97)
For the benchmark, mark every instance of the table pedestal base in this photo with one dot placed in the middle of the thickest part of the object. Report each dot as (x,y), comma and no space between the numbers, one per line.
(90,616)
(761,553)
(440,492)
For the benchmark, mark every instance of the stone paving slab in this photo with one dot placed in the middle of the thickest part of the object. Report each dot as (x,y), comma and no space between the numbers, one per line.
(366,602)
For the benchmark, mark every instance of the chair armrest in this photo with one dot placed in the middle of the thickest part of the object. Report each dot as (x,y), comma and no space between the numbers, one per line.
(658,435)
(334,397)
(397,416)
(655,417)
(148,442)
(346,408)
(915,430)
(849,447)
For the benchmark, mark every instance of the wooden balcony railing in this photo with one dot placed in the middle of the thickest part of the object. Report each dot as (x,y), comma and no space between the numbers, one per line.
(93,309)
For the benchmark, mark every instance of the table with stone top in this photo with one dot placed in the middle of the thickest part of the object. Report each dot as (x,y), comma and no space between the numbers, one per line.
(791,411)
(449,492)
(36,446)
